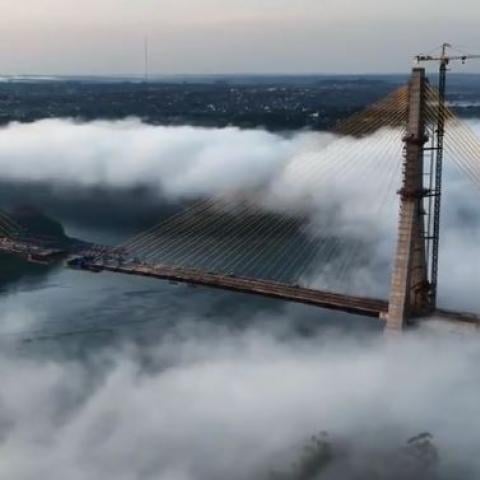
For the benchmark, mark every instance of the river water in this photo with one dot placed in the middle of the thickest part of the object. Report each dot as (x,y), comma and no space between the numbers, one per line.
(52,308)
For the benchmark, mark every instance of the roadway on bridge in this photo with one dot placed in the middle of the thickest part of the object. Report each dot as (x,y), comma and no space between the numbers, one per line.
(332,301)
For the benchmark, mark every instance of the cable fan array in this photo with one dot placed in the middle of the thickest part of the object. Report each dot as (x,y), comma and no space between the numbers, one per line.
(239,236)
(318,234)
(9,228)
(461,143)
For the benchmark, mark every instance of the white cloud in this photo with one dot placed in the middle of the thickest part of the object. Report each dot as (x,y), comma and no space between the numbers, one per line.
(218,405)
(232,406)
(181,161)
(306,170)
(347,186)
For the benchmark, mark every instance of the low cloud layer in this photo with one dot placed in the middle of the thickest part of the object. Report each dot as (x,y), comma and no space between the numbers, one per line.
(347,186)
(209,403)
(177,161)
(212,405)
(307,171)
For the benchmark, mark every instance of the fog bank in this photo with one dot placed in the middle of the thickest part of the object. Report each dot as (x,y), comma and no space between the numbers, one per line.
(209,402)
(210,405)
(347,186)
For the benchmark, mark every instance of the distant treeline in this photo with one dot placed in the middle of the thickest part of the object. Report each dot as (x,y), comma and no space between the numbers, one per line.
(274,103)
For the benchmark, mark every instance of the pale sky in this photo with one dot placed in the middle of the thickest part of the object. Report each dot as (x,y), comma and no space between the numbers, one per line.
(230,36)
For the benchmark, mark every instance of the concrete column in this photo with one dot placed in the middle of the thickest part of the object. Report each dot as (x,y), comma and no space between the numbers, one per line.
(409,287)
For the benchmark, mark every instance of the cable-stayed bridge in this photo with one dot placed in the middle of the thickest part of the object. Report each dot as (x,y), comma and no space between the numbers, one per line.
(306,235)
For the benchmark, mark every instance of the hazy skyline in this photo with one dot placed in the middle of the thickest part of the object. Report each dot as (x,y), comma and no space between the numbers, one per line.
(229,36)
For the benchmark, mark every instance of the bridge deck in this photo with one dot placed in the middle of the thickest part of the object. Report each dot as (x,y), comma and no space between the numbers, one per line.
(466,318)
(33,252)
(333,301)
(37,253)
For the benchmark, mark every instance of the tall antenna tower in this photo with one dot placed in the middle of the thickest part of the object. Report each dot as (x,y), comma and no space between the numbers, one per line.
(147,58)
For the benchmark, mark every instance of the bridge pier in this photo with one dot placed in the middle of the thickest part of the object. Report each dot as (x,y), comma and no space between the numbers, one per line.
(410,288)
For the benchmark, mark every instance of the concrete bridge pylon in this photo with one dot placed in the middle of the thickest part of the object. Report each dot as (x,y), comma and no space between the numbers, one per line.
(410,288)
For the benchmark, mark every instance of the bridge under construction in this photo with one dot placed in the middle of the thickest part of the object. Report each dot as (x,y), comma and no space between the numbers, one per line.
(221,242)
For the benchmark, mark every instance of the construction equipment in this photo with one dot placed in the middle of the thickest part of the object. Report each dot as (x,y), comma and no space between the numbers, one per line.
(444,60)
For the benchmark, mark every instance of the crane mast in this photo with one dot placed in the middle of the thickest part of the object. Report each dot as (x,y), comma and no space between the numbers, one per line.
(444,59)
